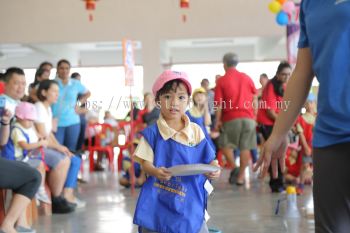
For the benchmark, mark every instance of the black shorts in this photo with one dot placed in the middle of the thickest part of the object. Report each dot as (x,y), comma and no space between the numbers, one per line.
(332,188)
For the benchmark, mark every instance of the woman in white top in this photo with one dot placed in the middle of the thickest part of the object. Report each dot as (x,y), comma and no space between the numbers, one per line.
(48,94)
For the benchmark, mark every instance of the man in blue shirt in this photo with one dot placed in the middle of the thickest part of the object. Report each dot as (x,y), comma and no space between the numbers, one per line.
(324,52)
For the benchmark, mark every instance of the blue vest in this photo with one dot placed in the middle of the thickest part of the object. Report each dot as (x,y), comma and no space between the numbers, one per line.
(200,121)
(8,151)
(177,205)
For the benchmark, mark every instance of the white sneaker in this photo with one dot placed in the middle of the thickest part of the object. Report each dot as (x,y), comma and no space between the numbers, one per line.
(21,229)
(42,196)
(80,204)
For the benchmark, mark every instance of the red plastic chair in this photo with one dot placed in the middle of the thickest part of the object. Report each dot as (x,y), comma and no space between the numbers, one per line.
(123,128)
(99,132)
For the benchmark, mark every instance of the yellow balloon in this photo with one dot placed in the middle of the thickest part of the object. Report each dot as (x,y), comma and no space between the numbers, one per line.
(275,7)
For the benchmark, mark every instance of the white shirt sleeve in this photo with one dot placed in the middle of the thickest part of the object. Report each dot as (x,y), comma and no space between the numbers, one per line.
(44,116)
(41,113)
(17,136)
(144,151)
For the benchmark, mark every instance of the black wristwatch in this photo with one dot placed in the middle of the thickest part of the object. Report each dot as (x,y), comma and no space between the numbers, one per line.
(3,123)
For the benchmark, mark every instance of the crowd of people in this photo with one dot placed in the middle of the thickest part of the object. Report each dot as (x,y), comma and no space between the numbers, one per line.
(35,137)
(241,118)
(48,129)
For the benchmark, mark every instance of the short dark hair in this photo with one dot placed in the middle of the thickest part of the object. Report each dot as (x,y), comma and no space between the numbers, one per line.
(264,75)
(204,80)
(44,85)
(11,71)
(75,75)
(45,63)
(60,62)
(171,85)
(230,59)
(2,77)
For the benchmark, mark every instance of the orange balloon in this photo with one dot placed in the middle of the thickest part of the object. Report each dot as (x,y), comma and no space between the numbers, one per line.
(282,1)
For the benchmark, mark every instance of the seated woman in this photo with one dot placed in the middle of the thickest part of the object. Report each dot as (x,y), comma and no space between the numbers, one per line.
(47,95)
(22,179)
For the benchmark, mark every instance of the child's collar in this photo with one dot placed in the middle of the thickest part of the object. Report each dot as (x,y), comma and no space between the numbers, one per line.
(167,132)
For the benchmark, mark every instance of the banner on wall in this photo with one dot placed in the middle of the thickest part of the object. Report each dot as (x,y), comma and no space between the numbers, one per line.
(293,34)
(128,61)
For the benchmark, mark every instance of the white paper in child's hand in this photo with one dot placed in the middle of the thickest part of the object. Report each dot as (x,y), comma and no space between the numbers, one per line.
(206,216)
(209,187)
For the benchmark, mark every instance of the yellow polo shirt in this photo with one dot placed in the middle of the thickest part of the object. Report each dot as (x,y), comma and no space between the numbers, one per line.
(190,135)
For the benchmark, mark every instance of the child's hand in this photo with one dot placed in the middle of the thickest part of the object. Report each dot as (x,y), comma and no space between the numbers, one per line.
(44,142)
(213,175)
(162,174)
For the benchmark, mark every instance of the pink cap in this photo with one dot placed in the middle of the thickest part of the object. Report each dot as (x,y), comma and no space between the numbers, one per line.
(170,75)
(26,111)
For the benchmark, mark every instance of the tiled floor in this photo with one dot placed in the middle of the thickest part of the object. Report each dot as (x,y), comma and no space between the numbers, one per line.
(233,210)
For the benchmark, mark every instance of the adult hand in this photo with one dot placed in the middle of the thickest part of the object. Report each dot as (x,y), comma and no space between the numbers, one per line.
(272,152)
(218,125)
(65,151)
(6,117)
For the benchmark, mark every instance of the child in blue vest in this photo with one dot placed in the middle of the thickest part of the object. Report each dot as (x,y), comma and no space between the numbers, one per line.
(169,204)
(24,144)
(128,171)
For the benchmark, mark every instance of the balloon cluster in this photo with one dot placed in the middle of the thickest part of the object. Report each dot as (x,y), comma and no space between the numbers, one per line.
(284,9)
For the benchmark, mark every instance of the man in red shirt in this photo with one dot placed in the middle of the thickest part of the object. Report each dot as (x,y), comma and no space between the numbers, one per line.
(236,103)
(2,83)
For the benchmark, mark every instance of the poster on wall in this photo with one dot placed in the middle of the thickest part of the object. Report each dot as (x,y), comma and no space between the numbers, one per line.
(129,61)
(293,33)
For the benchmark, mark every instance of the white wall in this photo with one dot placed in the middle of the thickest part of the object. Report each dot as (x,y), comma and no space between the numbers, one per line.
(48,21)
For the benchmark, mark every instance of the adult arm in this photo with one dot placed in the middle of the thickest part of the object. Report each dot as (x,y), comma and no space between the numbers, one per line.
(218,102)
(52,141)
(255,103)
(83,98)
(5,127)
(271,114)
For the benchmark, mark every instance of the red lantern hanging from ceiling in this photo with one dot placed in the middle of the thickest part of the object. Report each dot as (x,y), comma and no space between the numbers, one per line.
(90,5)
(184,4)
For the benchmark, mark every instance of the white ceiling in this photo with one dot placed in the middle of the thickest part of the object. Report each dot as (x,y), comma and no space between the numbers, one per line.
(174,51)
